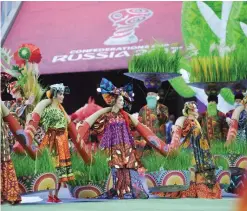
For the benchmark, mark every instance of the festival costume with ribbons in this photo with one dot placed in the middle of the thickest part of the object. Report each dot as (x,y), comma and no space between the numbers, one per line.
(118,142)
(233,132)
(17,108)
(152,67)
(214,126)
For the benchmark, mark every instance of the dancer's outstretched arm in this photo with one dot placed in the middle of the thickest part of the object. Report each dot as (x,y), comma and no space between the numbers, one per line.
(17,130)
(232,132)
(156,142)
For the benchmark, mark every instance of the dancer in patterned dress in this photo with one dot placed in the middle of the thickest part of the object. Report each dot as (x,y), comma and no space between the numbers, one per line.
(55,121)
(242,126)
(118,142)
(10,191)
(238,124)
(188,135)
(213,122)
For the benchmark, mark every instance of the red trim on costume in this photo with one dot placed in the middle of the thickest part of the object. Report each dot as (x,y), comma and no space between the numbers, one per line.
(151,139)
(14,126)
(77,137)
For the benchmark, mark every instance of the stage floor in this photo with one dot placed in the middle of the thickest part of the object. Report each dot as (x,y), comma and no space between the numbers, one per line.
(37,202)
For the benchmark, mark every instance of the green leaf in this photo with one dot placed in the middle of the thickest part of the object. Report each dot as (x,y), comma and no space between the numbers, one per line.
(227,95)
(181,87)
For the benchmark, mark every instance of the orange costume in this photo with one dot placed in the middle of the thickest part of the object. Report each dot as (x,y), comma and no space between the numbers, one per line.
(55,123)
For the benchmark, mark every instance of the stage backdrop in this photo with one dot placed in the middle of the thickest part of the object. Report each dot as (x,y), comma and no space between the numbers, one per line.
(99,36)
(92,36)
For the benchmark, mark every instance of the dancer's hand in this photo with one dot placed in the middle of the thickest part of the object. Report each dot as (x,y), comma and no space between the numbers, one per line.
(30,100)
(4,109)
(134,120)
(91,119)
(228,120)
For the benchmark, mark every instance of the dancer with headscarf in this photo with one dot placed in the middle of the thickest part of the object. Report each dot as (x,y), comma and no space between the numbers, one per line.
(117,140)
(188,135)
(52,116)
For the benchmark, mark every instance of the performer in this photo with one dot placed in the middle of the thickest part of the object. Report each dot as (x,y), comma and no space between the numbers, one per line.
(10,191)
(18,105)
(26,90)
(188,135)
(154,115)
(51,114)
(213,121)
(237,174)
(238,124)
(238,92)
(118,141)
(55,121)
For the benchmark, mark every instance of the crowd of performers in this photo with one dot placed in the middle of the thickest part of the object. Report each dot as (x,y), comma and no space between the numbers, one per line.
(122,136)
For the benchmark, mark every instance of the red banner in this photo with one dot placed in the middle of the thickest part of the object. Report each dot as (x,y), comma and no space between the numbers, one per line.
(93,36)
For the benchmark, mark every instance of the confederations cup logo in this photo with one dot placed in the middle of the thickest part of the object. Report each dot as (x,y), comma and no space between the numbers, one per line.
(125,22)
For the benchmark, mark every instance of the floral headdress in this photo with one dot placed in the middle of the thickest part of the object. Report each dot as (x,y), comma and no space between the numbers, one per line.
(189,106)
(57,88)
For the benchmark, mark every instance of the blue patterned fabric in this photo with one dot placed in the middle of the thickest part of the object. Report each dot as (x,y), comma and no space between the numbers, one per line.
(242,126)
(107,87)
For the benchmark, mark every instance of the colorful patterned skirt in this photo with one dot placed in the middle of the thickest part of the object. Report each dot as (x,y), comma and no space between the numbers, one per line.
(198,189)
(127,184)
(9,185)
(57,140)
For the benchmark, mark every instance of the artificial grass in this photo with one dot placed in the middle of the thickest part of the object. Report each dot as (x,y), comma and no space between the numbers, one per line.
(157,59)
(98,172)
(217,68)
(179,161)
(221,162)
(237,147)
(84,174)
(25,166)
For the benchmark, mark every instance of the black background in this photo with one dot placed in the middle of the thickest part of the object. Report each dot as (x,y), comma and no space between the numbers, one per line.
(84,85)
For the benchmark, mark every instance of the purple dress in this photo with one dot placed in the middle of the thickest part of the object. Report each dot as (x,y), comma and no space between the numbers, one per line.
(118,141)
